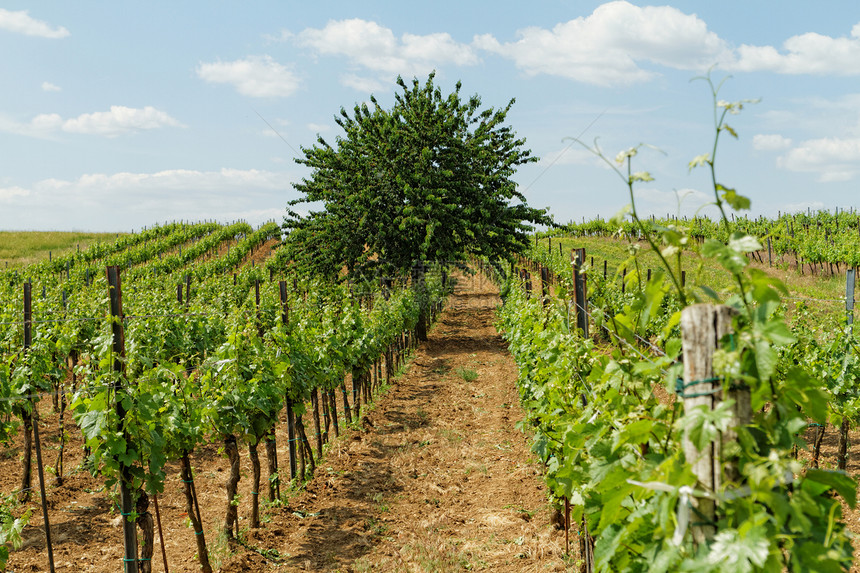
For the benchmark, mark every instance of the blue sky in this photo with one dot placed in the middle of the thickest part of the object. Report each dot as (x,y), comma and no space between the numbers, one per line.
(116,115)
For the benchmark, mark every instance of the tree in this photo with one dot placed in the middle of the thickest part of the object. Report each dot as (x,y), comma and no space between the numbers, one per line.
(427,180)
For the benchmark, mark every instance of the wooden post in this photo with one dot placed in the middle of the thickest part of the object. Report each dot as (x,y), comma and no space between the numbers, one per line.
(769,253)
(28,337)
(842,447)
(544,283)
(580,291)
(291,420)
(702,328)
(126,505)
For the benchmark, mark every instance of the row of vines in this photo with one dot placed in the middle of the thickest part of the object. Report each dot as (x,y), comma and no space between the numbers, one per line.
(210,349)
(611,407)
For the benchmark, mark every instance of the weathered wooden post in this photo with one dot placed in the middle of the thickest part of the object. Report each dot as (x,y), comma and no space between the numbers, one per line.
(291,420)
(28,322)
(702,328)
(842,447)
(580,291)
(126,502)
(544,284)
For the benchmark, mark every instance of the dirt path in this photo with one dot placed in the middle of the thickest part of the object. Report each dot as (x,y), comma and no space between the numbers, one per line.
(437,479)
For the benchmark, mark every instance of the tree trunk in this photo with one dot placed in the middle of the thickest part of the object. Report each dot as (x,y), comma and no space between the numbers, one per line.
(193,511)
(231,521)
(255,487)
(147,527)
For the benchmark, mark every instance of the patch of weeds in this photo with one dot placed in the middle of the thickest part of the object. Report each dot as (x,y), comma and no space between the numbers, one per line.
(526,514)
(451,435)
(442,369)
(378,498)
(375,526)
(467,374)
(433,553)
(219,551)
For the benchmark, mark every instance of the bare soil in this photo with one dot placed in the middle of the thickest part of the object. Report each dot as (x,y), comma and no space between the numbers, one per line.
(433,477)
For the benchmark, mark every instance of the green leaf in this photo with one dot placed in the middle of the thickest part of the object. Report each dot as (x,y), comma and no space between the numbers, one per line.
(730,196)
(731,551)
(844,485)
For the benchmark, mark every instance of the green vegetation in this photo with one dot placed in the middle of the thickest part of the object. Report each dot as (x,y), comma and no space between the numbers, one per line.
(428,180)
(627,459)
(21,248)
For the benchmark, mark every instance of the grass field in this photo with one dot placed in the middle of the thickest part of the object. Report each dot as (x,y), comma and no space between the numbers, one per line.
(821,293)
(20,248)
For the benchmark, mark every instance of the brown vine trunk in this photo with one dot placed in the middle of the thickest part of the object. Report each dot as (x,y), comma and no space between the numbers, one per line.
(389,365)
(231,520)
(816,445)
(315,402)
(255,487)
(300,451)
(347,413)
(194,512)
(147,527)
(357,391)
(332,409)
(326,417)
(842,456)
(305,444)
(272,457)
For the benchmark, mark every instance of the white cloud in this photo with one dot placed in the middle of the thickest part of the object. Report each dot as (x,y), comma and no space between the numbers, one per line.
(21,23)
(833,159)
(607,47)
(107,201)
(49,87)
(803,206)
(362,84)
(374,47)
(168,181)
(808,53)
(318,127)
(254,76)
(117,121)
(684,202)
(770,142)
(8,194)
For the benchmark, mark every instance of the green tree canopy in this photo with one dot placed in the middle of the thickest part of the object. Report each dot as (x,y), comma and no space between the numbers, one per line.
(429,179)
